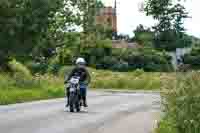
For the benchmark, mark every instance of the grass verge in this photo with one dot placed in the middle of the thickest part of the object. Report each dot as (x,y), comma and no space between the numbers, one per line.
(19,88)
(181,98)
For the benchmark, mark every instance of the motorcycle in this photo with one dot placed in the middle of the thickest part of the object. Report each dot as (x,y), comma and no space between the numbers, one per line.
(75,101)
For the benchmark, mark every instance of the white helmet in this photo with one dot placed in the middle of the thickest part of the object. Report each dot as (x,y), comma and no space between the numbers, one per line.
(80,61)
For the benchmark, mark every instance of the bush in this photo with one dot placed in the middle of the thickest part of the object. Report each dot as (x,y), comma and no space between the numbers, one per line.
(107,62)
(166,126)
(121,67)
(138,72)
(21,76)
(146,59)
(37,67)
(193,59)
(20,69)
(65,56)
(53,68)
(149,60)
(181,97)
(65,70)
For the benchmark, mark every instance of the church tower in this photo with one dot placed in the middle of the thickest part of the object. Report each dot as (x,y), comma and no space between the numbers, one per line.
(115,6)
(107,16)
(115,19)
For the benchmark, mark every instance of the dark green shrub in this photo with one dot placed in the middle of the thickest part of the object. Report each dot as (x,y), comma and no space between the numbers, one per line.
(121,67)
(107,62)
(193,59)
(146,59)
(54,68)
(20,69)
(37,67)
(65,70)
(149,60)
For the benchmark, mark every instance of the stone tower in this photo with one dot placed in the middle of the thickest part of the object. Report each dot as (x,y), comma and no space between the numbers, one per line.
(107,16)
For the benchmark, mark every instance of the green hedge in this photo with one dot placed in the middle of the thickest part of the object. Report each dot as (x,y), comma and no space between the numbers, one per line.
(193,59)
(111,59)
(146,59)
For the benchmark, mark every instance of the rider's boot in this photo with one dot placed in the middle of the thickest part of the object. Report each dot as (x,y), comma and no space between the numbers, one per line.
(67,105)
(85,102)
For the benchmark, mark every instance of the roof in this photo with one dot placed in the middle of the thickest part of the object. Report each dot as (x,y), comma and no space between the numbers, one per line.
(124,44)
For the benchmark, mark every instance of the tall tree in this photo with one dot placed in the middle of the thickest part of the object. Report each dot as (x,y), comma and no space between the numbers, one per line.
(144,36)
(87,11)
(23,23)
(169,32)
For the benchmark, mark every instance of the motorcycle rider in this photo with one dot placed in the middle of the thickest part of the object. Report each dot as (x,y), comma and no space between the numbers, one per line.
(81,71)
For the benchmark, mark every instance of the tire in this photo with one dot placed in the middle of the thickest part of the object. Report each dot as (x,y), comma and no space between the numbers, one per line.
(71,108)
(77,103)
(71,102)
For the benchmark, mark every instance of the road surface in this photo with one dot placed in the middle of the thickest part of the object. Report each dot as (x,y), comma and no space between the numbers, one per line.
(108,112)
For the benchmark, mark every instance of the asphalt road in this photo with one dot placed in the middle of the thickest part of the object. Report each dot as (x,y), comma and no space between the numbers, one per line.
(108,112)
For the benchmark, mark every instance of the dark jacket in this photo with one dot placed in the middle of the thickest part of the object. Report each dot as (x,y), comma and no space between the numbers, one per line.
(82,73)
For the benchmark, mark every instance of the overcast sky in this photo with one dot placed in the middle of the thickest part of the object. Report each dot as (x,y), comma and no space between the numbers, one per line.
(129,16)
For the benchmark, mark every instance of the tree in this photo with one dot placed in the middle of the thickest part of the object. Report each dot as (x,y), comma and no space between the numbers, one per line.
(59,32)
(23,24)
(169,32)
(144,36)
(103,32)
(87,11)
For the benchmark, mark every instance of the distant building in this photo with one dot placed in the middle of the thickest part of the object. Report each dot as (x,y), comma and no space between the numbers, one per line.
(107,16)
(125,44)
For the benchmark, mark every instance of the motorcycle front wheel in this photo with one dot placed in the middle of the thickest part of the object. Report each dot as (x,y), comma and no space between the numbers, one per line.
(71,102)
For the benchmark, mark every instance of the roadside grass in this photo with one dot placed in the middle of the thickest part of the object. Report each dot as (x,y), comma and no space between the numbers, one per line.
(137,80)
(18,88)
(180,100)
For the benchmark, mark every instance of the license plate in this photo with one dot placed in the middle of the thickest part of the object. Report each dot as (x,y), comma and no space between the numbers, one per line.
(71,89)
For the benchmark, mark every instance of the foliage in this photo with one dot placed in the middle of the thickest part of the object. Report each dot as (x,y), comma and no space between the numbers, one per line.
(37,67)
(122,37)
(195,41)
(125,80)
(169,32)
(125,60)
(40,87)
(100,49)
(148,60)
(120,66)
(24,23)
(169,41)
(144,36)
(86,12)
(193,59)
(49,86)
(104,32)
(107,62)
(64,71)
(166,126)
(181,103)
(20,70)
